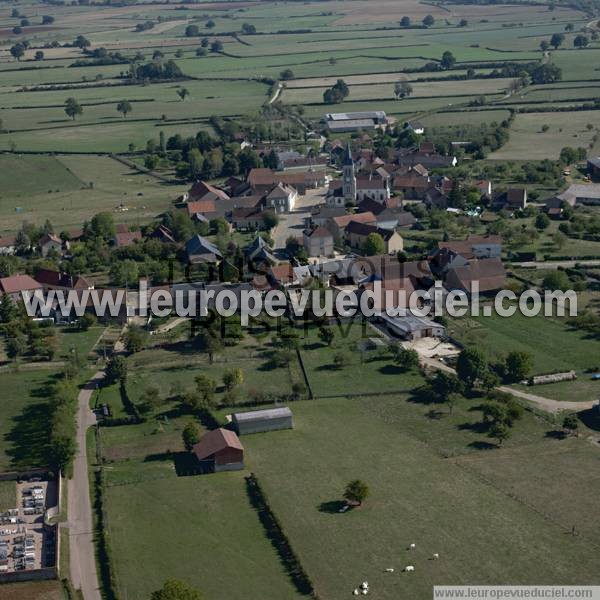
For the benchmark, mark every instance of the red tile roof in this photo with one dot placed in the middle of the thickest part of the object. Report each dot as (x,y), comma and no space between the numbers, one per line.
(366,217)
(18,283)
(216,441)
(200,206)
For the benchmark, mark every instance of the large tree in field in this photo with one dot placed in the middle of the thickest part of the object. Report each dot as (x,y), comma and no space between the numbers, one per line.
(73,108)
(518,365)
(124,107)
(402,89)
(176,590)
(17,51)
(356,492)
(556,40)
(448,60)
(471,366)
(428,20)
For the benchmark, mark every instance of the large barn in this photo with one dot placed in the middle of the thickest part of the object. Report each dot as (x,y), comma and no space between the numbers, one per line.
(220,450)
(263,420)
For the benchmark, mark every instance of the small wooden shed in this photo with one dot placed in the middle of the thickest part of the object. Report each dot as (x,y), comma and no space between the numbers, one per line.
(257,421)
(220,450)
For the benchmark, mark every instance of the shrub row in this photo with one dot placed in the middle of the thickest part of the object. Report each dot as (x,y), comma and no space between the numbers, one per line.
(279,539)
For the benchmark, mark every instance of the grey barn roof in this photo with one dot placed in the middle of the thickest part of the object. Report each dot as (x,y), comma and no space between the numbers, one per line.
(261,415)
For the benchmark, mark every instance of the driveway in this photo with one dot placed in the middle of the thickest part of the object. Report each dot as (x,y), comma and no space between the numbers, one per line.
(81,531)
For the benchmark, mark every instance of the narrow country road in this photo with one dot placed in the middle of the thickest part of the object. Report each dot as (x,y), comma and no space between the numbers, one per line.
(80,521)
(547,404)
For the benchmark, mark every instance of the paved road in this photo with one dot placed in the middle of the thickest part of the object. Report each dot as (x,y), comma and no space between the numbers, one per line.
(81,534)
(292,224)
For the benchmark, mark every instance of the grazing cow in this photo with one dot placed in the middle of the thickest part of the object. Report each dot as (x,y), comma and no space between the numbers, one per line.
(356,592)
(409,568)
(390,570)
(436,555)
(412,546)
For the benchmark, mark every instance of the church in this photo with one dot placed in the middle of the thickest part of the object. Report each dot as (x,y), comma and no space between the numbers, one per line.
(353,188)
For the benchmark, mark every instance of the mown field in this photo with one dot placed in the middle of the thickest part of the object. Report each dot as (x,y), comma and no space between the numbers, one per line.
(476,519)
(326,41)
(24,426)
(71,189)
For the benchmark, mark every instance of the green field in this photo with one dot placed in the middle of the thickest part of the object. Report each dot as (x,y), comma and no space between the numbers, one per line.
(327,41)
(362,373)
(68,206)
(8,495)
(24,426)
(476,520)
(528,141)
(203,521)
(552,344)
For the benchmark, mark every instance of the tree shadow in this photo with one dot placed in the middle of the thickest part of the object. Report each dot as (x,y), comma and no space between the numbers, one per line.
(29,439)
(556,434)
(332,506)
(392,370)
(481,445)
(435,415)
(422,395)
(476,427)
(590,418)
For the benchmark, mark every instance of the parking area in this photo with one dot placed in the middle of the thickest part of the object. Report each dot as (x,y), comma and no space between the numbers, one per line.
(26,542)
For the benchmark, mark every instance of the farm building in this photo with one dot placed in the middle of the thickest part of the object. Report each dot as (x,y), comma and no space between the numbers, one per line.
(220,450)
(340,122)
(263,420)
(411,327)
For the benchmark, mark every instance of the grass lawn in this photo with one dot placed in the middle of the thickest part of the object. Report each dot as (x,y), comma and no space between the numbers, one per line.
(24,426)
(374,374)
(8,495)
(417,495)
(553,345)
(181,362)
(191,528)
(80,341)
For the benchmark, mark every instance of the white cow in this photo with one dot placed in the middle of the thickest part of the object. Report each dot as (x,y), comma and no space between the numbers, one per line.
(436,555)
(412,546)
(389,570)
(409,568)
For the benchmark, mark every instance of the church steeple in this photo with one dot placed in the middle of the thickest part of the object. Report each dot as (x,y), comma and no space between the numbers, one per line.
(349,177)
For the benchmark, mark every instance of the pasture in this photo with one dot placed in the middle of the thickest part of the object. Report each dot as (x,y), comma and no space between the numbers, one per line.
(320,43)
(197,520)
(528,141)
(477,521)
(24,426)
(81,187)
